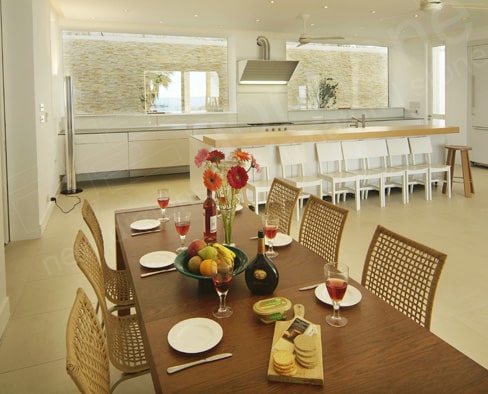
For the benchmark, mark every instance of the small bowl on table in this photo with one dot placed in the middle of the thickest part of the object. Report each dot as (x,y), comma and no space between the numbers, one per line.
(241,261)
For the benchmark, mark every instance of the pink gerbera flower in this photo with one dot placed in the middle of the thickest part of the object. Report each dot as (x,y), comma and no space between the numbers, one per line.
(201,157)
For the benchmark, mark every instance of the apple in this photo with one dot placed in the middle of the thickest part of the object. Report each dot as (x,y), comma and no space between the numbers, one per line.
(195,246)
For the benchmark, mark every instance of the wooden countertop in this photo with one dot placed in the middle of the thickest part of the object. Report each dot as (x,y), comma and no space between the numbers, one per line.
(300,136)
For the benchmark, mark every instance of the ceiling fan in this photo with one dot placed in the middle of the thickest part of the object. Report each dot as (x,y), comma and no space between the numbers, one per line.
(436,5)
(306,39)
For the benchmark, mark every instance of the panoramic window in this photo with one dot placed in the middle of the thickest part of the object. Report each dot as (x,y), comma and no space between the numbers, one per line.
(338,76)
(117,73)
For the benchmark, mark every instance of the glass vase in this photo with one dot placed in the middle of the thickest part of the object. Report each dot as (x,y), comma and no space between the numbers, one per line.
(228,223)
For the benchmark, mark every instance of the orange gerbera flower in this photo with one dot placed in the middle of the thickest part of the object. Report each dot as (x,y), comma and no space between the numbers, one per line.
(212,180)
(240,155)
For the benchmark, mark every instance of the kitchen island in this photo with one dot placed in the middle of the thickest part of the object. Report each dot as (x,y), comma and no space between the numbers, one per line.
(227,142)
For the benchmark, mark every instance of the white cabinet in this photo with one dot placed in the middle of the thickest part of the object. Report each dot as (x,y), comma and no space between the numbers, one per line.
(478,131)
(101,152)
(158,149)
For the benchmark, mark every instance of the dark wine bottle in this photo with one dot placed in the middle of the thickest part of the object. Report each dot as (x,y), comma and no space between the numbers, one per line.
(261,274)
(209,219)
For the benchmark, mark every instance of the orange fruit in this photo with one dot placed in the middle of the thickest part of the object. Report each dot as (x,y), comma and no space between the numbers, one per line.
(208,267)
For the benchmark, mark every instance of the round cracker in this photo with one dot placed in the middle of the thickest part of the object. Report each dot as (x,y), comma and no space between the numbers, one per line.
(283,358)
(305,343)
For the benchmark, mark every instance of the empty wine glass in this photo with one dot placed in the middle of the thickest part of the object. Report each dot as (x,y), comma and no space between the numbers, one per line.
(163,201)
(221,278)
(182,225)
(270,227)
(336,277)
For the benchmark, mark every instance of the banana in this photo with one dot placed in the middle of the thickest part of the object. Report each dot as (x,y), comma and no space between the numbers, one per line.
(225,254)
(225,251)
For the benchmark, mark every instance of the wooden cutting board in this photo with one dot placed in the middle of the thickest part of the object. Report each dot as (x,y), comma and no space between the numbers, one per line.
(293,327)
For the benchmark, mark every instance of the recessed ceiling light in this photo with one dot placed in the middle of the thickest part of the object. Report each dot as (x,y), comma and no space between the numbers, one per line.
(372,12)
(258,20)
(126,10)
(272,1)
(326,6)
(195,16)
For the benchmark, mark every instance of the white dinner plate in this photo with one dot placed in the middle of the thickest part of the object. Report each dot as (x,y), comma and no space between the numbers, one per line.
(352,296)
(195,335)
(159,259)
(145,224)
(280,240)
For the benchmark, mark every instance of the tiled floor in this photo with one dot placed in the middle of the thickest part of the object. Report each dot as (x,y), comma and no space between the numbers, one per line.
(42,276)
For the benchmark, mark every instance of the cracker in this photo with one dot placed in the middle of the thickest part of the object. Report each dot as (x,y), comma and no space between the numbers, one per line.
(305,343)
(283,358)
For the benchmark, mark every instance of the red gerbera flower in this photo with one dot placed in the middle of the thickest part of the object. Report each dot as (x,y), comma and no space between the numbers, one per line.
(212,180)
(237,177)
(240,155)
(215,156)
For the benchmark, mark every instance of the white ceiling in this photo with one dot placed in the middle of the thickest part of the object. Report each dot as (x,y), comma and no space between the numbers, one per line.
(356,20)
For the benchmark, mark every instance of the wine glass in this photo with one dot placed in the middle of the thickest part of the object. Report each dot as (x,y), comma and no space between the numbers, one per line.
(182,225)
(336,277)
(270,227)
(163,201)
(221,278)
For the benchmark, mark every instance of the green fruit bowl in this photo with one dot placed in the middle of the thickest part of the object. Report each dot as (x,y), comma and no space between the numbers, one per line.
(241,262)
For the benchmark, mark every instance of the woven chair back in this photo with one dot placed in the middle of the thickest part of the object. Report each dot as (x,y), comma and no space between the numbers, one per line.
(321,228)
(281,201)
(404,273)
(86,348)
(125,344)
(118,288)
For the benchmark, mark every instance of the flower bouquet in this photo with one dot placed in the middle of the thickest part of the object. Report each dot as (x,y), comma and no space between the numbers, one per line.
(226,177)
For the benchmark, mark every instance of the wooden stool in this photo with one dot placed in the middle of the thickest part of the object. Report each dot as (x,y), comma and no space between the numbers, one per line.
(451,159)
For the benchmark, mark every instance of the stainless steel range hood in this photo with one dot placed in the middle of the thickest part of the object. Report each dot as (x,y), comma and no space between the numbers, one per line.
(265,71)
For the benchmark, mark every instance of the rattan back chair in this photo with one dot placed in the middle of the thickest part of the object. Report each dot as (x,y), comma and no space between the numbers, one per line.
(125,344)
(322,227)
(118,288)
(86,348)
(281,201)
(404,273)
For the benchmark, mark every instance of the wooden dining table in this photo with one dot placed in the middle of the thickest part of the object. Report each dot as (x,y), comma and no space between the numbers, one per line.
(380,350)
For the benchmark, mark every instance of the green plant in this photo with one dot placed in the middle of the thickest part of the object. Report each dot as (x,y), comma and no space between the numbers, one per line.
(327,92)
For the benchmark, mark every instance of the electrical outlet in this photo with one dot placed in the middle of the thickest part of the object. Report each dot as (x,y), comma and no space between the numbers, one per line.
(53,199)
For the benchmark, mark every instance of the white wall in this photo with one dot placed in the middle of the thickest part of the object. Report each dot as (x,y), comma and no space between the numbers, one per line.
(4,299)
(31,145)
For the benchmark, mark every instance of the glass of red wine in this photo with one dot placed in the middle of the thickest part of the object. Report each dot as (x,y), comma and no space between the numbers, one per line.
(221,278)
(336,278)
(270,227)
(163,201)
(182,225)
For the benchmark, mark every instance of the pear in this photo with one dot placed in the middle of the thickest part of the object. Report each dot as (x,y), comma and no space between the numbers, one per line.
(208,253)
(194,264)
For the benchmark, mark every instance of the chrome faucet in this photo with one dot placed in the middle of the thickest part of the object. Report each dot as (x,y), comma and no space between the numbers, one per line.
(362,120)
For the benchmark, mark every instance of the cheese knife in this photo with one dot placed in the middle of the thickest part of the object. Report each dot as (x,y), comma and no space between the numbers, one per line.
(310,287)
(157,272)
(146,232)
(177,368)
